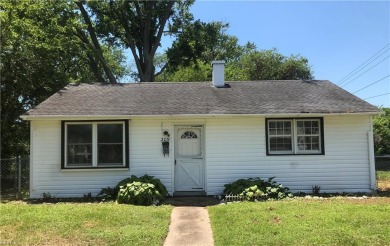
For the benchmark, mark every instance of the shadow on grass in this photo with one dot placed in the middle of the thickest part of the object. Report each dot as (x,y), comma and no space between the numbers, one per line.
(383,192)
(384,181)
(54,200)
(200,201)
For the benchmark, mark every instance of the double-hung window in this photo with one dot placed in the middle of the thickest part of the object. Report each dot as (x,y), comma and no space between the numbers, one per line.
(100,144)
(295,136)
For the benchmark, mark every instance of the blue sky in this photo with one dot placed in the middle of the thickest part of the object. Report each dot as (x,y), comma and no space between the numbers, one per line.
(336,37)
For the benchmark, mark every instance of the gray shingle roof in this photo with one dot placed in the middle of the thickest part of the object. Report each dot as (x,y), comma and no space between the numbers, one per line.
(253,97)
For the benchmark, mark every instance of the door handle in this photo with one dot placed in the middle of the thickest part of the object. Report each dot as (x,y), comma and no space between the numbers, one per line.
(197,157)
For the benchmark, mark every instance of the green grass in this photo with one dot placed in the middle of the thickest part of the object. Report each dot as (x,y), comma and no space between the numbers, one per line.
(303,222)
(383,179)
(383,175)
(83,224)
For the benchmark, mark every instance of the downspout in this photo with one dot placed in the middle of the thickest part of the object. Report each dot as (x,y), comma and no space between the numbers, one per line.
(371,157)
(31,160)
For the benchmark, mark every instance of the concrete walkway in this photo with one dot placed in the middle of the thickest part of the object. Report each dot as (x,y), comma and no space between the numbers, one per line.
(189,226)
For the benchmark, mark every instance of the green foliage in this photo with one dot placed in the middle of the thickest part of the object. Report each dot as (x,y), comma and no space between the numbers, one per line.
(40,55)
(249,65)
(112,193)
(203,42)
(199,72)
(109,193)
(139,193)
(316,189)
(191,54)
(138,26)
(252,189)
(382,132)
(156,182)
(268,65)
(47,196)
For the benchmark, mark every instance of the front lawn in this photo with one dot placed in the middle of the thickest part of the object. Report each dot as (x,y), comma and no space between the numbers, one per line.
(303,222)
(83,224)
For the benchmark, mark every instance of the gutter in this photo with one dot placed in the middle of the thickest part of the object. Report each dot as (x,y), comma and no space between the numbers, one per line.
(371,156)
(47,117)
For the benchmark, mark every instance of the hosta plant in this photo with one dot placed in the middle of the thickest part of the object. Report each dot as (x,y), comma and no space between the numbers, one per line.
(139,193)
(252,189)
(112,193)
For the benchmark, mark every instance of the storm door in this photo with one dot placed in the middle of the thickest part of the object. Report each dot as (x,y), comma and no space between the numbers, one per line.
(189,171)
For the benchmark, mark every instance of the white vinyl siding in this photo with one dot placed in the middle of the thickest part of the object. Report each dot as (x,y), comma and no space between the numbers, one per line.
(146,157)
(234,147)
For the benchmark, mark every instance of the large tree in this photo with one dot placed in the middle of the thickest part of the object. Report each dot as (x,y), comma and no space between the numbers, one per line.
(40,55)
(136,25)
(48,44)
(189,58)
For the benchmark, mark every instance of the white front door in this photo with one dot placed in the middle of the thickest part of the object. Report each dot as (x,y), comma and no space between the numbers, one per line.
(189,173)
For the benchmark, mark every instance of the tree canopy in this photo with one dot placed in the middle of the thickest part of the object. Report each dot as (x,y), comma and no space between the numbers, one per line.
(204,42)
(382,132)
(39,56)
(46,45)
(136,25)
(269,65)
(190,57)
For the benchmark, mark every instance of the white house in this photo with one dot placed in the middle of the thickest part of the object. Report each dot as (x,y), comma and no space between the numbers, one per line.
(198,136)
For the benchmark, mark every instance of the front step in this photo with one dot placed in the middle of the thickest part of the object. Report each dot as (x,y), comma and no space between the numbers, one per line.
(192,201)
(189,193)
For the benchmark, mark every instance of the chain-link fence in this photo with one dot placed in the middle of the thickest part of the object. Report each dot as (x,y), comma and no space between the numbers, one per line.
(14,178)
(382,162)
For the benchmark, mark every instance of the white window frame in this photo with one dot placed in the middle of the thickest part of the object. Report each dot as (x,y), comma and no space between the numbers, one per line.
(294,137)
(281,152)
(94,144)
(298,151)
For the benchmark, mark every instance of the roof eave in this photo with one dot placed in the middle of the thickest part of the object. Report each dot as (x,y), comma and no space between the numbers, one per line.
(118,117)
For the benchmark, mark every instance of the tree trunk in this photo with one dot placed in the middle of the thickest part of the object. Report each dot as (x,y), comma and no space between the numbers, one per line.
(148,44)
(95,69)
(95,43)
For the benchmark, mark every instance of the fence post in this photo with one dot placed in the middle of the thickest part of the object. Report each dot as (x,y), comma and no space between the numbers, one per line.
(19,177)
(15,176)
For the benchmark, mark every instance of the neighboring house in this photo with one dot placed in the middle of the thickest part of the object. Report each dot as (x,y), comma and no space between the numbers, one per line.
(198,136)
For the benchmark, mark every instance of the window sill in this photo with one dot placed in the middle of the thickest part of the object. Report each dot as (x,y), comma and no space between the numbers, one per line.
(94,169)
(301,154)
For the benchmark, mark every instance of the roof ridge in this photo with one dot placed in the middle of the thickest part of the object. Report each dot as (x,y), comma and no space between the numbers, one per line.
(195,82)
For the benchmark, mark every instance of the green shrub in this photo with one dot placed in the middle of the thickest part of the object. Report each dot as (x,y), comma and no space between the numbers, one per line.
(112,193)
(109,193)
(257,189)
(139,193)
(151,180)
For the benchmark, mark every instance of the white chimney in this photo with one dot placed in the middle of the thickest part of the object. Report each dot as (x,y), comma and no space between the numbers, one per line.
(218,73)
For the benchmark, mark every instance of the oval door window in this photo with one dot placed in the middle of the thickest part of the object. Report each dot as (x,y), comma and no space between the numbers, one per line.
(189,134)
